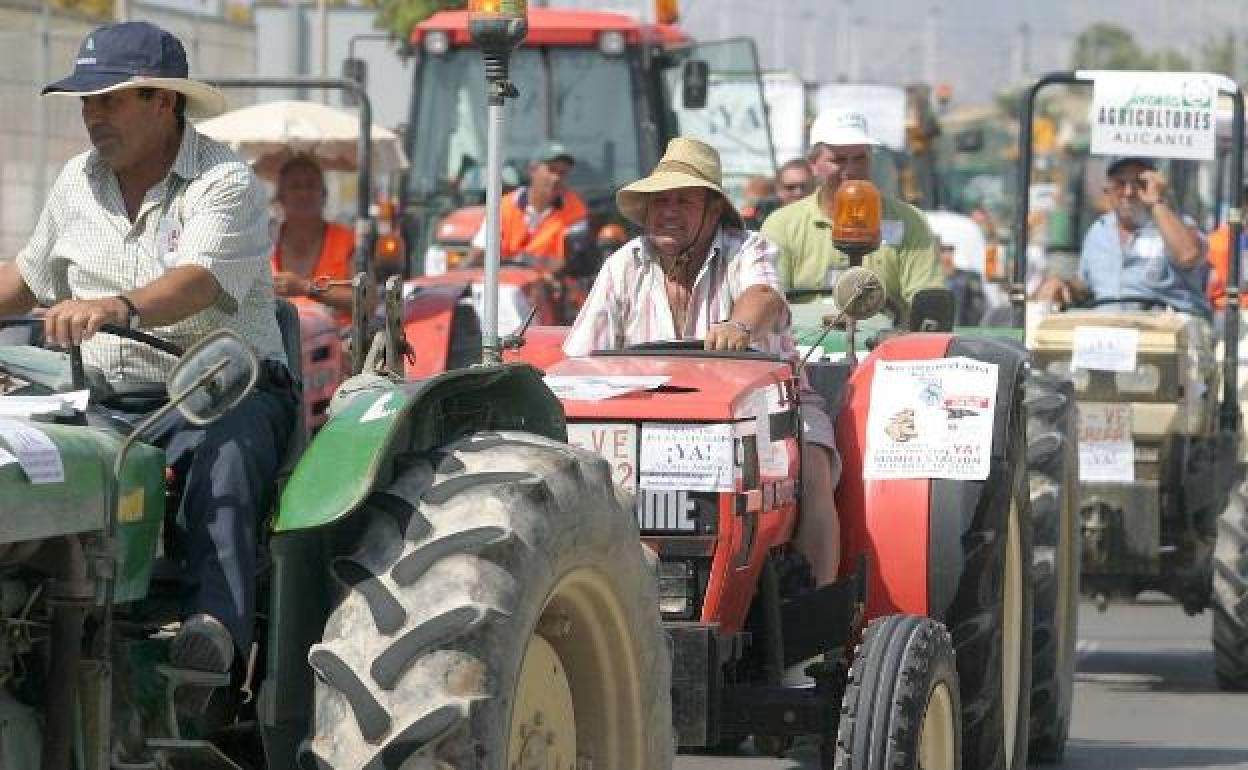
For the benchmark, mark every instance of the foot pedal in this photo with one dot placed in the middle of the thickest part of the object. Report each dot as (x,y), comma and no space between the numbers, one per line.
(189,689)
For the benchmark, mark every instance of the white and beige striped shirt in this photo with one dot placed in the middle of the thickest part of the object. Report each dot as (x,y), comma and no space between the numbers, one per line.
(210,211)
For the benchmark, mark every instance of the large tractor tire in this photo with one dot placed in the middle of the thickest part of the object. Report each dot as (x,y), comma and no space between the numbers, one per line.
(991,616)
(901,707)
(498,612)
(1053,479)
(1230,593)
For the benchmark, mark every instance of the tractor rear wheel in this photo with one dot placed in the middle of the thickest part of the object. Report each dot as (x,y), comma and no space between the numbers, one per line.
(498,611)
(991,616)
(1230,593)
(1053,478)
(901,707)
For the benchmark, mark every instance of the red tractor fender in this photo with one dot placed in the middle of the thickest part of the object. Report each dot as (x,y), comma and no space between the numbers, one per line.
(428,316)
(542,348)
(322,364)
(886,520)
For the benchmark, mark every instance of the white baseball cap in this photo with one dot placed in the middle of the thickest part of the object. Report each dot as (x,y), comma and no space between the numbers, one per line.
(839,127)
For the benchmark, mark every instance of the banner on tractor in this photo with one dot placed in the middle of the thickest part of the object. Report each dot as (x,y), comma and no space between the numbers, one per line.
(931,420)
(1154,114)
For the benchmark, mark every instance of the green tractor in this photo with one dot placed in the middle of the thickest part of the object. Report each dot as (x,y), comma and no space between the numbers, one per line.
(1161,495)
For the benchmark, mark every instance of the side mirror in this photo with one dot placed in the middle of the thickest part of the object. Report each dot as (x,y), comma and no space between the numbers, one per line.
(859,293)
(357,70)
(932,310)
(212,377)
(695,79)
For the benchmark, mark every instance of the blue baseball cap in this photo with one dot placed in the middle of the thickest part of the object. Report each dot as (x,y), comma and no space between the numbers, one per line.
(136,54)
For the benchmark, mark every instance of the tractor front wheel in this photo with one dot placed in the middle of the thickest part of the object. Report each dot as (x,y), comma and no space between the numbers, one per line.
(1230,593)
(498,611)
(901,707)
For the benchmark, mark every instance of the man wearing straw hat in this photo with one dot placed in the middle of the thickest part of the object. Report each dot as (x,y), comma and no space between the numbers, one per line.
(696,273)
(161,229)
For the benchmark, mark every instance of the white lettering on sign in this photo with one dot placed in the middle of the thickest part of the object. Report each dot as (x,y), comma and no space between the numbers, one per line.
(1106,448)
(616,442)
(659,509)
(1105,348)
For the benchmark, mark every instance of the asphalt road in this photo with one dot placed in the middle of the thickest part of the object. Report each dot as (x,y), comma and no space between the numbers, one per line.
(1145,699)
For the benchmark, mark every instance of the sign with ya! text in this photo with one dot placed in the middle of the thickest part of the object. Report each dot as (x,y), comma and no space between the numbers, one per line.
(1154,114)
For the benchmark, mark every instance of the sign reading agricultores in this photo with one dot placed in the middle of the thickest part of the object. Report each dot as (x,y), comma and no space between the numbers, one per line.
(1154,114)
(931,419)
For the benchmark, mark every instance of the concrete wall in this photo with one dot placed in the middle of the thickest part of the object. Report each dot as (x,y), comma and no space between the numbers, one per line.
(38,135)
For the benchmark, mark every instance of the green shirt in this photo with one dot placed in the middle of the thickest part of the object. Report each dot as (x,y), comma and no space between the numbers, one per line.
(906,261)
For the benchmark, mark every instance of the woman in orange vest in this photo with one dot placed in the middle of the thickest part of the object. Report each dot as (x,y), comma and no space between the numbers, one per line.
(308,247)
(536,220)
(1220,259)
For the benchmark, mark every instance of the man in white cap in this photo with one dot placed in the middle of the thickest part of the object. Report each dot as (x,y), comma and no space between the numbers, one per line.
(161,229)
(696,273)
(906,260)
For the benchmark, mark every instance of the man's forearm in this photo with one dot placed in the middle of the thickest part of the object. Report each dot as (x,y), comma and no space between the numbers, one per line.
(176,295)
(1180,241)
(759,307)
(15,296)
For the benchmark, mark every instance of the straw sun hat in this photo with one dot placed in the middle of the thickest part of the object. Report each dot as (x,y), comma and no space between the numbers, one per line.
(685,163)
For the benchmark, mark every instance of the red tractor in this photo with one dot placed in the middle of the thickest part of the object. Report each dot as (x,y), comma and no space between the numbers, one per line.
(925,641)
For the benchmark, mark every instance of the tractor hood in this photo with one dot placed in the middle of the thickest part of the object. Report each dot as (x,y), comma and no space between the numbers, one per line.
(700,387)
(79,503)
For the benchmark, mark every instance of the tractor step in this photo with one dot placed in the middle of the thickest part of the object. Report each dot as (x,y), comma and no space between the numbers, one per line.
(189,755)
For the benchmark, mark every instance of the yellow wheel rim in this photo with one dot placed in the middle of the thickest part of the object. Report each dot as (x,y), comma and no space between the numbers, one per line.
(1011,637)
(937,746)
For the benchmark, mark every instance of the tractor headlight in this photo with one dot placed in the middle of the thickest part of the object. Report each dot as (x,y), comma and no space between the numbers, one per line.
(1145,379)
(436,42)
(677,589)
(435,260)
(611,43)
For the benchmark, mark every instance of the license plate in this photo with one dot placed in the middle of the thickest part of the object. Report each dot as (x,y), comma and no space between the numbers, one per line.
(616,442)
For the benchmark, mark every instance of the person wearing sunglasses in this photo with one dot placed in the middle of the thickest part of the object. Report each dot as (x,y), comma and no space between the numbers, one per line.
(794,181)
(1142,249)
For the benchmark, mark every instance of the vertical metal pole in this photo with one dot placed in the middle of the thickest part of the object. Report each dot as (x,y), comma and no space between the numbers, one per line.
(491,349)
(322,8)
(1230,417)
(41,115)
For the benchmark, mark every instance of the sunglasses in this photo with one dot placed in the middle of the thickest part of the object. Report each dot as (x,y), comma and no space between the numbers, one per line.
(1117,185)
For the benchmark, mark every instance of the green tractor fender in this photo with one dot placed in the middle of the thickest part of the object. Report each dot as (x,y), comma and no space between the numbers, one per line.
(354,453)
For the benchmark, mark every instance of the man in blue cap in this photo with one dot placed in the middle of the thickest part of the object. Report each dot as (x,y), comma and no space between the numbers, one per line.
(162,229)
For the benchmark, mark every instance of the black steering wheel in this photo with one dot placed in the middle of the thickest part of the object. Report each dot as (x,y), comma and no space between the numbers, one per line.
(1149,303)
(690,348)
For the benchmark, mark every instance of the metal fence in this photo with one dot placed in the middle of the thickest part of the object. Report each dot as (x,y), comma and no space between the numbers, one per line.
(38,135)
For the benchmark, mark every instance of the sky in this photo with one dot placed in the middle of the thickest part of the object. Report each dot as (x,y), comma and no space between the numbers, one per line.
(975,46)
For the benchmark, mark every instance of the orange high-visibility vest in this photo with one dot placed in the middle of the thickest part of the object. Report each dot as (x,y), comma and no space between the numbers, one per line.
(334,262)
(546,243)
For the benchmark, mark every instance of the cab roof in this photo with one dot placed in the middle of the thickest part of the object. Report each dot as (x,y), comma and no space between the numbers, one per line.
(557,26)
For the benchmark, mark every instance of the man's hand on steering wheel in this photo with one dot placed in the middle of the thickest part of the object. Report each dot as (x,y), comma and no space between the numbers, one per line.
(74,321)
(728,335)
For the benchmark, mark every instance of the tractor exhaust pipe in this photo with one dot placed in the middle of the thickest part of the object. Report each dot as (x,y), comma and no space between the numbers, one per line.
(70,595)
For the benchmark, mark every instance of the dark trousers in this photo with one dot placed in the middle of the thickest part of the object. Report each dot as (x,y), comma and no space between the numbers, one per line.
(226,473)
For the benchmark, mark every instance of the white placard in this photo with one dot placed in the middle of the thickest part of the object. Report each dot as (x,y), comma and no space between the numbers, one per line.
(931,419)
(616,442)
(37,454)
(687,456)
(1106,449)
(1154,114)
(1105,348)
(596,387)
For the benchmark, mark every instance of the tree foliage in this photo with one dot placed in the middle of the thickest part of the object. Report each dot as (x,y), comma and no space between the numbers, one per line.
(1105,46)
(99,9)
(399,16)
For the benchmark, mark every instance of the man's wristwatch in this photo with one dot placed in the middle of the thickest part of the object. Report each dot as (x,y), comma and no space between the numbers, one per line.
(132,312)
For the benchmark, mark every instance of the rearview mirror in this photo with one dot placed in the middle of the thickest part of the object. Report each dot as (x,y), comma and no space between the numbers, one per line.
(357,70)
(212,377)
(932,310)
(694,83)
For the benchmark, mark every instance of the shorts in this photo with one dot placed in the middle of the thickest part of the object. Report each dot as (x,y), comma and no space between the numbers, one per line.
(817,429)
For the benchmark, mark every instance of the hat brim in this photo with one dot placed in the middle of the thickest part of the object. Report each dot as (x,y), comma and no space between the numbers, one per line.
(631,199)
(1117,164)
(844,138)
(202,100)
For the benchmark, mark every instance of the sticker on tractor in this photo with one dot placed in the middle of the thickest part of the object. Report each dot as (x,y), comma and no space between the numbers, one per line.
(670,511)
(931,419)
(1106,449)
(616,442)
(687,456)
(1105,348)
(37,454)
(597,387)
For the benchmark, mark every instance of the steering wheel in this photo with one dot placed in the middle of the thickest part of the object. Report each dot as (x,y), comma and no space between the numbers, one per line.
(689,348)
(1149,303)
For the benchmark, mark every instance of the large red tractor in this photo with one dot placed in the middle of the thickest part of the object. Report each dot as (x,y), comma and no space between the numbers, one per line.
(925,639)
